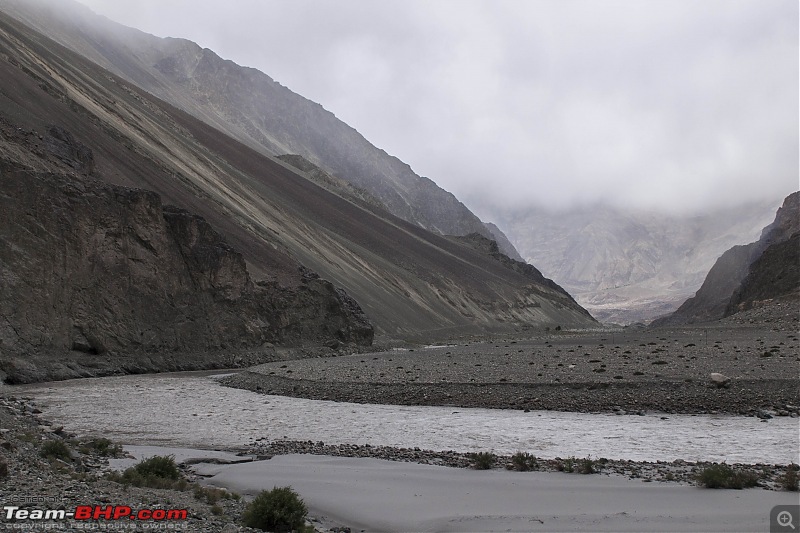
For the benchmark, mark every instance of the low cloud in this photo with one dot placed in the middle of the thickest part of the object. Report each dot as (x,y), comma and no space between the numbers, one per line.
(665,104)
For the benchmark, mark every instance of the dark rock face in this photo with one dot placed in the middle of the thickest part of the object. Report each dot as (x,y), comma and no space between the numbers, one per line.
(492,249)
(712,297)
(503,243)
(100,269)
(744,275)
(775,274)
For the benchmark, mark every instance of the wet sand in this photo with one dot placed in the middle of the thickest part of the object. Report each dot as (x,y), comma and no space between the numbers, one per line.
(376,495)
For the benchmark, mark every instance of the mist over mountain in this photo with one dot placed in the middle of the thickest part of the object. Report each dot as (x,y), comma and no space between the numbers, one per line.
(627,266)
(749,275)
(249,106)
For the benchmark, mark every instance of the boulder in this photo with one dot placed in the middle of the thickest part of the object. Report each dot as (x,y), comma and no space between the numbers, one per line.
(720,380)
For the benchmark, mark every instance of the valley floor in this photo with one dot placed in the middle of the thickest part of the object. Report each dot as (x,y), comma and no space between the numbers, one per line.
(630,370)
(627,370)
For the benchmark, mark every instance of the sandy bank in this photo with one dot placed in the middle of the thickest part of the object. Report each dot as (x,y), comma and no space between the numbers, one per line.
(377,495)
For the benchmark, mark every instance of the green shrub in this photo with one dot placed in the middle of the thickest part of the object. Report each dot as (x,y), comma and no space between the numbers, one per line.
(722,476)
(105,447)
(482,460)
(55,449)
(279,510)
(158,472)
(587,466)
(523,462)
(790,480)
(159,466)
(568,464)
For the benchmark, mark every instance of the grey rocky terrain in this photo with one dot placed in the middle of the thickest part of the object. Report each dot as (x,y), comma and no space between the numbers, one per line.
(626,370)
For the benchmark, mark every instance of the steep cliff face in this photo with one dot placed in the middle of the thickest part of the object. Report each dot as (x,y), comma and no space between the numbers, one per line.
(102,270)
(745,275)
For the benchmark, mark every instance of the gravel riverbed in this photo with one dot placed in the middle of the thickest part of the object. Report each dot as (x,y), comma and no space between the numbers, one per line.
(630,370)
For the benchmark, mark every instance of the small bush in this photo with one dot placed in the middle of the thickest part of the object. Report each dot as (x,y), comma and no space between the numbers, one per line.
(790,480)
(55,449)
(159,466)
(105,447)
(3,469)
(216,510)
(587,466)
(523,462)
(280,510)
(482,460)
(158,472)
(722,476)
(565,465)
(213,495)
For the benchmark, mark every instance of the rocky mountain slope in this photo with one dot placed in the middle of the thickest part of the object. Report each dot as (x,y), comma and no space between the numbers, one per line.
(410,283)
(630,266)
(250,107)
(748,275)
(94,269)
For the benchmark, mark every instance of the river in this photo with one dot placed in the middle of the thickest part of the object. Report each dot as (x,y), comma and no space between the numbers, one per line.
(192,409)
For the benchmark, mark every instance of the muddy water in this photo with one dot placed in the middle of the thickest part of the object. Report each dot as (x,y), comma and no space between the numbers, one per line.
(192,409)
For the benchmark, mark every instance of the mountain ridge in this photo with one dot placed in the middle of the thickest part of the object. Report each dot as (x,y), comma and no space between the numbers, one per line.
(251,107)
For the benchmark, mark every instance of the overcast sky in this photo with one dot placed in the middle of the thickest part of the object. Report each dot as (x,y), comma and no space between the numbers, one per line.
(658,104)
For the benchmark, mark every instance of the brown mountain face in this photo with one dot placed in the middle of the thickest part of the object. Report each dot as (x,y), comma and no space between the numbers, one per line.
(93,269)
(749,275)
(250,107)
(94,263)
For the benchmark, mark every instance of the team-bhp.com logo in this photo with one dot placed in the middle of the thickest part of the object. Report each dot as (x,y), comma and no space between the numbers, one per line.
(95,512)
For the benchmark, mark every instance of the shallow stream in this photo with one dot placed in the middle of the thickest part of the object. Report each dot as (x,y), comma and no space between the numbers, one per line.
(192,409)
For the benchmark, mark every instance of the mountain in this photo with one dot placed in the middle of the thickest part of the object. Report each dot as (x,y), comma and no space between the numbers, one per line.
(629,266)
(249,106)
(749,275)
(132,202)
(504,245)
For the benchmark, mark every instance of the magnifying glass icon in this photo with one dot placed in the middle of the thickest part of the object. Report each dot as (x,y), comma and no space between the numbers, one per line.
(785,519)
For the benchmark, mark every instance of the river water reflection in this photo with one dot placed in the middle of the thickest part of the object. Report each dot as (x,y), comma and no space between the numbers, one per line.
(192,409)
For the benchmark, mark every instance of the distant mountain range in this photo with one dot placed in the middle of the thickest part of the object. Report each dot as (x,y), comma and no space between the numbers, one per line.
(133,227)
(628,266)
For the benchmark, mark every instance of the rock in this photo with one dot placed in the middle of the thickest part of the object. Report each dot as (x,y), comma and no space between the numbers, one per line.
(720,380)
(110,270)
(764,414)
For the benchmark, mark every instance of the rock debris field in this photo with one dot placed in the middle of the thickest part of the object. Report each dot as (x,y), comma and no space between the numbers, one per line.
(627,370)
